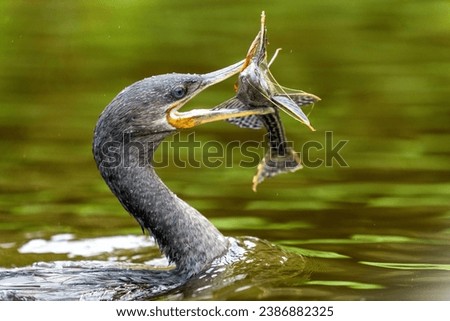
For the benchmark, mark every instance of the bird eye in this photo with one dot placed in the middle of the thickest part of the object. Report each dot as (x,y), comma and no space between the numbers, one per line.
(179,92)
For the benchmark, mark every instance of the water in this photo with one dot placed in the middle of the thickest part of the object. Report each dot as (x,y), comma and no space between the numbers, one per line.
(376,227)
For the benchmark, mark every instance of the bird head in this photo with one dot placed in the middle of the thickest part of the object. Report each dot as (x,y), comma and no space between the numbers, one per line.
(151,106)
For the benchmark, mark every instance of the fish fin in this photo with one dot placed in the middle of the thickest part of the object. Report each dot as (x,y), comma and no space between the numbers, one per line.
(290,107)
(273,164)
(303,99)
(232,103)
(251,121)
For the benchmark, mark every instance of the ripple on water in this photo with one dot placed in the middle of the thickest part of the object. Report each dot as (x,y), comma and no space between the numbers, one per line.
(247,269)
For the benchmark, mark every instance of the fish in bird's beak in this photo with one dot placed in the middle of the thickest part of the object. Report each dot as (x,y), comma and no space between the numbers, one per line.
(257,74)
(197,117)
(256,87)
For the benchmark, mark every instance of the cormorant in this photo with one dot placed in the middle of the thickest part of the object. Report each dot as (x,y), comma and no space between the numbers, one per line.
(127,134)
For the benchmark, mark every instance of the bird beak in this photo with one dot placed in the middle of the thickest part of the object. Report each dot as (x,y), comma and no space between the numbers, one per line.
(197,117)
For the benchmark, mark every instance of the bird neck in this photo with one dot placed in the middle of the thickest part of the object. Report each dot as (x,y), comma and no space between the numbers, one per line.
(184,235)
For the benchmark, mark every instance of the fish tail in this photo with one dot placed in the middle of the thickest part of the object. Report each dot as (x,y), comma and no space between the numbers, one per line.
(274,164)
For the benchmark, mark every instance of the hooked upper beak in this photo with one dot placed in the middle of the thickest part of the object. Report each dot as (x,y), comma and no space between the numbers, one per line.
(197,117)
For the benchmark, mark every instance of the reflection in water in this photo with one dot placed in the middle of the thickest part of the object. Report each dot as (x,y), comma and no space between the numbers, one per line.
(378,229)
(91,280)
(65,243)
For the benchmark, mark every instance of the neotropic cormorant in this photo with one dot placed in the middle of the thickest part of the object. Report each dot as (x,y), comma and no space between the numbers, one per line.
(127,134)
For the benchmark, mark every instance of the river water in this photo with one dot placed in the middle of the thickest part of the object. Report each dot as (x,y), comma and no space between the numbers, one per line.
(367,218)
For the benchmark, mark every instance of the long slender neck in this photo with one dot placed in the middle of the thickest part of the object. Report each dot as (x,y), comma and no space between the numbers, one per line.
(184,235)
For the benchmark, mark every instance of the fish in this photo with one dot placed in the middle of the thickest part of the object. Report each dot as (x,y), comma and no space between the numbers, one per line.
(256,87)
